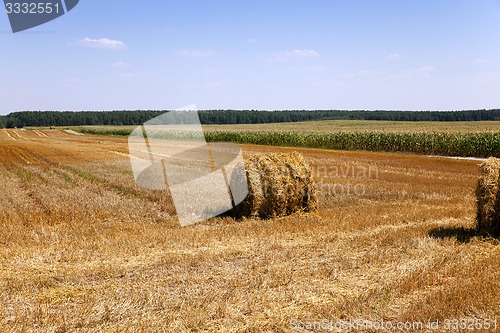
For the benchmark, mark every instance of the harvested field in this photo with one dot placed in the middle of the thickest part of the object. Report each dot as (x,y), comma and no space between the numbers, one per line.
(82,249)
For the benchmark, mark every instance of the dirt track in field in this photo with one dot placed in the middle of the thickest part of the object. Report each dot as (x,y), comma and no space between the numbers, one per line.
(82,248)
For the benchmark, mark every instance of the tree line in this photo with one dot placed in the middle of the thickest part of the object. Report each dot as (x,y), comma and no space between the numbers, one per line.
(82,118)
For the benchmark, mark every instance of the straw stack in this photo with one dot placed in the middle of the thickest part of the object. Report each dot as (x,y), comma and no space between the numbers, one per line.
(488,197)
(278,185)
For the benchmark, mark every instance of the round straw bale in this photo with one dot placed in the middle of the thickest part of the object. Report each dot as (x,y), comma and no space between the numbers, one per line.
(488,197)
(278,185)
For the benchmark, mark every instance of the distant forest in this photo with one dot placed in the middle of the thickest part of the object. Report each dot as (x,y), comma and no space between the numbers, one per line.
(82,118)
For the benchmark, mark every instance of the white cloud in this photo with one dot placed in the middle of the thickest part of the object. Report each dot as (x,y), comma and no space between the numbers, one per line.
(194,53)
(127,74)
(369,73)
(252,40)
(273,86)
(393,56)
(74,81)
(308,69)
(409,73)
(210,73)
(304,54)
(139,75)
(421,72)
(479,61)
(365,73)
(121,64)
(490,75)
(103,43)
(217,84)
(295,54)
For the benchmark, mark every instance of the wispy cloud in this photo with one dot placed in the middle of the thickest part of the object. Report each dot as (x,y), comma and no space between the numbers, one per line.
(295,54)
(252,40)
(308,69)
(303,54)
(409,73)
(103,43)
(393,56)
(421,72)
(218,84)
(495,75)
(478,61)
(127,74)
(194,53)
(370,73)
(74,81)
(136,75)
(364,73)
(121,64)
(210,73)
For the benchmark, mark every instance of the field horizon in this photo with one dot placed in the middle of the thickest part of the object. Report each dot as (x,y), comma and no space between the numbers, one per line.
(331,126)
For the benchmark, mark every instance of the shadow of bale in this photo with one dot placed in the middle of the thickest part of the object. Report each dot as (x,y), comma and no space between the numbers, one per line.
(461,234)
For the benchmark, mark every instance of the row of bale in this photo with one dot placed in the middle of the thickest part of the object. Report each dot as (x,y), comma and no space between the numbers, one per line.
(282,184)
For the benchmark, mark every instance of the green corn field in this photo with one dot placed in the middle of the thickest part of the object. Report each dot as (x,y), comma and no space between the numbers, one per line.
(465,144)
(447,144)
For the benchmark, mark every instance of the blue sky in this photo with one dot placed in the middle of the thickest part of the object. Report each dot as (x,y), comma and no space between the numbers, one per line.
(222,54)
